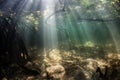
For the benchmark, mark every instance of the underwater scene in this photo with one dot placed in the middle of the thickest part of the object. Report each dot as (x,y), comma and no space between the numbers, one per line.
(59,39)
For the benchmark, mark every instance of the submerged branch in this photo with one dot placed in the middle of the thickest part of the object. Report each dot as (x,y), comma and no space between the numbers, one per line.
(100,20)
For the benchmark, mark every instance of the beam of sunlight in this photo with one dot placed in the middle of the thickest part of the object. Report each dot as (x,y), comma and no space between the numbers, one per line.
(112,27)
(66,39)
(115,35)
(49,29)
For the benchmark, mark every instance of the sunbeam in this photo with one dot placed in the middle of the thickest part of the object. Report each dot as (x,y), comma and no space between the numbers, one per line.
(59,39)
(49,29)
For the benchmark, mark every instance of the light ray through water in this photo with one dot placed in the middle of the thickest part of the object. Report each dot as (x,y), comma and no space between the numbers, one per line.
(78,20)
(49,29)
(66,34)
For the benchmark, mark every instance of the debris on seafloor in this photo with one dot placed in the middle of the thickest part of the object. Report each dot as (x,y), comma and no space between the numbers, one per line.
(64,65)
(30,78)
(56,72)
(4,78)
(53,67)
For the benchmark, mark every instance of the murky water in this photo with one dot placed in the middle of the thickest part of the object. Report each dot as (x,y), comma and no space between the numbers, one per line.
(66,39)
